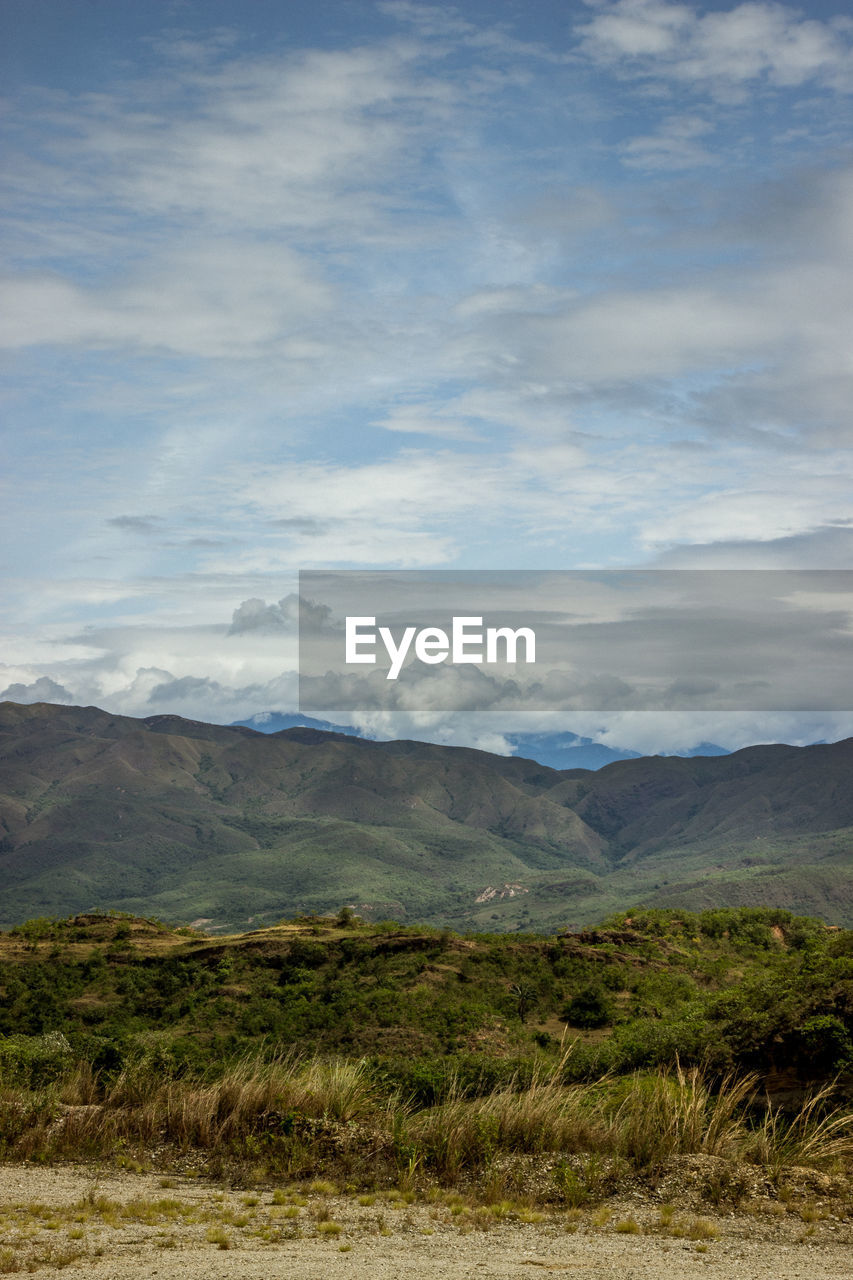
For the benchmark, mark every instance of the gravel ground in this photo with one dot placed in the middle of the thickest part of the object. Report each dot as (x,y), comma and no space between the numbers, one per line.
(124,1226)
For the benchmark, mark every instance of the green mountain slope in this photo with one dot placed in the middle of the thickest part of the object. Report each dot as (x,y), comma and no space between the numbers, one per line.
(187,820)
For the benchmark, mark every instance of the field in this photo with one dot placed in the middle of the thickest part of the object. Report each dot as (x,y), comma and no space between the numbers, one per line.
(669,1079)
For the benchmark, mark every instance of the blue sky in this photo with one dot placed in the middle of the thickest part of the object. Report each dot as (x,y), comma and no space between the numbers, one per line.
(402,285)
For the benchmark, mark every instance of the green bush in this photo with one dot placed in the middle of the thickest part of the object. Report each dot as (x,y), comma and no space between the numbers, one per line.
(587,1009)
(824,1043)
(30,1062)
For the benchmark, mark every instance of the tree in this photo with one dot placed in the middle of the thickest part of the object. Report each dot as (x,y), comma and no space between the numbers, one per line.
(525,996)
(588,1008)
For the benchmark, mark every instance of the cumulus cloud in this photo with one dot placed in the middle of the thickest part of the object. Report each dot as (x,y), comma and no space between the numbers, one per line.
(187,689)
(257,615)
(41,690)
(289,614)
(155,689)
(721,49)
(201,698)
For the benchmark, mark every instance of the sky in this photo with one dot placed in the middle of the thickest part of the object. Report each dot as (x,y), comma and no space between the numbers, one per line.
(356,285)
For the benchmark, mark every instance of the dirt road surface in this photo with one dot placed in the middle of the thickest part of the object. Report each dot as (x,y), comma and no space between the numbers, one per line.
(125,1226)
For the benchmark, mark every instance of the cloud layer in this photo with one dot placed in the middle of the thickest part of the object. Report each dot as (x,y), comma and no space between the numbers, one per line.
(418,288)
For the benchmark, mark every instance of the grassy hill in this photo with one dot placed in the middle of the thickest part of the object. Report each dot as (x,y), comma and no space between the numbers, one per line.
(517,1068)
(749,989)
(189,821)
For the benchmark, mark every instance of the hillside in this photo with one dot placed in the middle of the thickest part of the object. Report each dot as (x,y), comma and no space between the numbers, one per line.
(753,989)
(190,821)
(702,1061)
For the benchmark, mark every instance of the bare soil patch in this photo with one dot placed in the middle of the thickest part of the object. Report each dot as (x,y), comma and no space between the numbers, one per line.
(112,1225)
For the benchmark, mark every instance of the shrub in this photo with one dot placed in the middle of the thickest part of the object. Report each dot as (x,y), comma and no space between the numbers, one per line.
(30,1062)
(589,1008)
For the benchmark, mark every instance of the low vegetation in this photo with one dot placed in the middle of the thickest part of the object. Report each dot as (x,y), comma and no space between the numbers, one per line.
(378,1056)
(749,990)
(303,1118)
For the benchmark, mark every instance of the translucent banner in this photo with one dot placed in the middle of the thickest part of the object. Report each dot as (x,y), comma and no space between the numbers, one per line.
(680,640)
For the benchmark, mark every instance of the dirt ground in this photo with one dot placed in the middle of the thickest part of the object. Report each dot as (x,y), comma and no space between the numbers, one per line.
(136,1226)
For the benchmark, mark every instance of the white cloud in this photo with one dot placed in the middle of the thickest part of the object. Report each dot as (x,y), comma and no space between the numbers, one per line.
(654,333)
(827,546)
(418,419)
(411,486)
(41,690)
(772,502)
(273,142)
(633,28)
(676,145)
(219,222)
(257,615)
(768,336)
(214,300)
(720,50)
(265,274)
(429,19)
(652,733)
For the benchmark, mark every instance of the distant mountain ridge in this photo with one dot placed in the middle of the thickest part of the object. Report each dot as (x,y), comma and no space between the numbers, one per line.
(560,750)
(186,820)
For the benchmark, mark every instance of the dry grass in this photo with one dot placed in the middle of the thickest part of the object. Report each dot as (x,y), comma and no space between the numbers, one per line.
(462,1133)
(138,1107)
(676,1113)
(644,1119)
(316,1117)
(818,1134)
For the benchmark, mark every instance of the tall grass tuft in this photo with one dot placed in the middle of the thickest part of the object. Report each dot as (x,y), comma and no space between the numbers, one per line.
(818,1134)
(544,1115)
(298,1114)
(225,1110)
(340,1089)
(675,1112)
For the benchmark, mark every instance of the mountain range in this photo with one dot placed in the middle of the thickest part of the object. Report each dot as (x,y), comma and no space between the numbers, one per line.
(561,750)
(227,826)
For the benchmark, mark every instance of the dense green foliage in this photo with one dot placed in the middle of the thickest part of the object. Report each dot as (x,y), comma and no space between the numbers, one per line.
(750,989)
